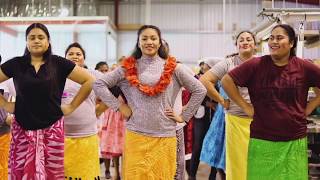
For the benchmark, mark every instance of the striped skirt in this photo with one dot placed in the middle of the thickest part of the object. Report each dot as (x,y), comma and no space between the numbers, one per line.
(4,155)
(268,160)
(148,157)
(37,154)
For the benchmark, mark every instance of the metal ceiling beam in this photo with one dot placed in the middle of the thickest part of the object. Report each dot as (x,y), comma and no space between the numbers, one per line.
(292,14)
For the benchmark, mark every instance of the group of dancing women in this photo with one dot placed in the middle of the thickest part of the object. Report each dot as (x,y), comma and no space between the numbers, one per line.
(258,131)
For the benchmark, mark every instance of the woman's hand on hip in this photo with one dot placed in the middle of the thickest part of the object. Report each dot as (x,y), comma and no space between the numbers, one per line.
(67,109)
(172,115)
(248,109)
(125,110)
(9,107)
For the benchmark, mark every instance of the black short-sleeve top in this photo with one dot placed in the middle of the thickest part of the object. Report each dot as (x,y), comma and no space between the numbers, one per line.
(38,100)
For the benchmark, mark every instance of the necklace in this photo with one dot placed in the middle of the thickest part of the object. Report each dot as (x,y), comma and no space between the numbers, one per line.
(129,65)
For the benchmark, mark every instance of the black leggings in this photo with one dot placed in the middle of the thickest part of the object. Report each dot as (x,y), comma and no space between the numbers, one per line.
(200,128)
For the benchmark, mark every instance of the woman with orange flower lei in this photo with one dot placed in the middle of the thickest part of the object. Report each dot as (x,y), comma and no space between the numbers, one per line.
(150,80)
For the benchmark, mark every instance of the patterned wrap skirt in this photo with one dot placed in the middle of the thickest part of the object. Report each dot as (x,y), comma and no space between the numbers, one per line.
(112,134)
(82,158)
(151,158)
(4,155)
(180,171)
(37,154)
(269,160)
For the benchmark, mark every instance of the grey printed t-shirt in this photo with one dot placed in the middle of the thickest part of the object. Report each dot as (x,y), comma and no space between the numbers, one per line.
(221,69)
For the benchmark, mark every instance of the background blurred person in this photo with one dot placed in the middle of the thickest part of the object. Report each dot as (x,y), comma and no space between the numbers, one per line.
(278,85)
(81,140)
(234,126)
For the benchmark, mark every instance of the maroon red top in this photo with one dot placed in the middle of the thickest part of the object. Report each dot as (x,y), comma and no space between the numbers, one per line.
(279,96)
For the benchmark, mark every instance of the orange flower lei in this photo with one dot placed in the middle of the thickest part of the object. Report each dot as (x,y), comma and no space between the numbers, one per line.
(131,75)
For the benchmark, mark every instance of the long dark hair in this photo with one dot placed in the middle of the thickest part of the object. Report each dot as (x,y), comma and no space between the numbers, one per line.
(77,45)
(45,30)
(161,51)
(292,36)
(236,41)
(51,67)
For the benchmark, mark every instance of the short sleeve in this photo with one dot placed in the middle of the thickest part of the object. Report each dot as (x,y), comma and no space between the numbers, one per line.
(9,67)
(220,69)
(95,73)
(242,74)
(65,66)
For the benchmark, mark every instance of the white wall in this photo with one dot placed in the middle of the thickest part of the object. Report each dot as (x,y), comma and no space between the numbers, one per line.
(98,40)
(191,29)
(187,47)
(203,16)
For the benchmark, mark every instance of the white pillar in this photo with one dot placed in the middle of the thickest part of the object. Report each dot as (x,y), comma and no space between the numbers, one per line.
(148,12)
(224,17)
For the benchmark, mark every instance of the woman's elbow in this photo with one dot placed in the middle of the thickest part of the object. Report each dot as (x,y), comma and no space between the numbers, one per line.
(89,82)
(96,85)
(202,90)
(205,81)
(91,79)
(226,80)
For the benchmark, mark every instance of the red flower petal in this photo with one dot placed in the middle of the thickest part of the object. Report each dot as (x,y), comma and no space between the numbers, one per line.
(131,75)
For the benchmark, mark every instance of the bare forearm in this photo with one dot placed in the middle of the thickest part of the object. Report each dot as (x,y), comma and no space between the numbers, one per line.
(315,102)
(101,107)
(7,106)
(211,90)
(3,101)
(82,94)
(231,89)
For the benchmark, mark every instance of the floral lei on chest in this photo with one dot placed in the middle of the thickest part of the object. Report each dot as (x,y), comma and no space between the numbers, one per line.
(131,75)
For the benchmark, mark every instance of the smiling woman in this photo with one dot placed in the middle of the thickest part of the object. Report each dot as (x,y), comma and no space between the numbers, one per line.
(81,140)
(150,81)
(149,42)
(231,124)
(278,84)
(282,44)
